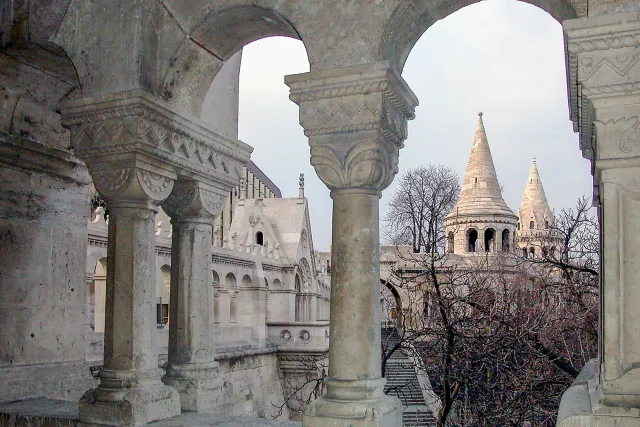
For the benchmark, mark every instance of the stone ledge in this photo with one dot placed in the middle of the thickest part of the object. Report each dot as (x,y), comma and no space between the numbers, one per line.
(60,413)
(34,157)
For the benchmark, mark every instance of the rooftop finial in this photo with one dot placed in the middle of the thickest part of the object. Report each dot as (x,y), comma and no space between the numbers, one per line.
(301,183)
(480,114)
(534,159)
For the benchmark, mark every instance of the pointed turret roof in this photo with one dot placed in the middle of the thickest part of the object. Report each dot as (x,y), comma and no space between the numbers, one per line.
(534,204)
(480,193)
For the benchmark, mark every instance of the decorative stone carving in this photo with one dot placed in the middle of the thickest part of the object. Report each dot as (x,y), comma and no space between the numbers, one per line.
(356,121)
(604,81)
(121,124)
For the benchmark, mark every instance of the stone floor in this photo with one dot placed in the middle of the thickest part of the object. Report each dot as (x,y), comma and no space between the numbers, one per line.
(58,413)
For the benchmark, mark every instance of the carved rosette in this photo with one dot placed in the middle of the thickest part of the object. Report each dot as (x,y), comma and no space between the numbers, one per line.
(603,55)
(194,199)
(137,126)
(356,121)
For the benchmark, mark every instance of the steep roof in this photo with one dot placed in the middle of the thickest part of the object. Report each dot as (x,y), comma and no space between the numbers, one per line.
(534,205)
(480,193)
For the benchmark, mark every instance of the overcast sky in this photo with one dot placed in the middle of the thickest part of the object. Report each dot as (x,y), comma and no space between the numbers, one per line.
(502,57)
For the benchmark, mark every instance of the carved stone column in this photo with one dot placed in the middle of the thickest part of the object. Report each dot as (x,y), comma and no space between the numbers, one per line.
(191,368)
(604,82)
(135,149)
(356,121)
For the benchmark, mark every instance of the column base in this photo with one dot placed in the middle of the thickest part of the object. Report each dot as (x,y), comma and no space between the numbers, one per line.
(199,385)
(358,403)
(128,399)
(582,404)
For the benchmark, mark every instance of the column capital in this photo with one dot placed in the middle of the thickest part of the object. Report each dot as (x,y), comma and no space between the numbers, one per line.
(194,199)
(604,83)
(136,127)
(356,121)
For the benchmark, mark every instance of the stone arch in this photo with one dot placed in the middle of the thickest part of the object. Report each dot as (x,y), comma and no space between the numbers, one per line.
(412,18)
(506,240)
(277,284)
(164,295)
(215,281)
(472,239)
(232,288)
(246,281)
(99,283)
(490,240)
(391,304)
(218,36)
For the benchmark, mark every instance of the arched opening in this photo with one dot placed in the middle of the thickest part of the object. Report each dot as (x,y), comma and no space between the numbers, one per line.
(472,240)
(163,296)
(100,295)
(391,304)
(216,296)
(532,252)
(531,225)
(450,242)
(298,302)
(546,224)
(524,252)
(506,239)
(489,240)
(232,288)
(545,252)
(259,238)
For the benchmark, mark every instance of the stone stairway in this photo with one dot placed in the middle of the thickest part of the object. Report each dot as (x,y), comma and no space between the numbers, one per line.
(402,382)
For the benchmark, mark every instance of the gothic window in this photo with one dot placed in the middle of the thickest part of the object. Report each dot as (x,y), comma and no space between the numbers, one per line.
(472,240)
(505,240)
(531,225)
(259,238)
(489,239)
(450,242)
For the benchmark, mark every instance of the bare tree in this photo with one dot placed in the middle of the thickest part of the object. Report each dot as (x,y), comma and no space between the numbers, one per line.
(502,337)
(418,207)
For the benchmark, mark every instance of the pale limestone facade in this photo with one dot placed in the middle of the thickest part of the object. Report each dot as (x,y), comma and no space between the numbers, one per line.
(116,90)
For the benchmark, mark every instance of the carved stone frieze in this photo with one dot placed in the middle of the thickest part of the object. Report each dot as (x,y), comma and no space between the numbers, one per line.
(603,64)
(136,124)
(356,121)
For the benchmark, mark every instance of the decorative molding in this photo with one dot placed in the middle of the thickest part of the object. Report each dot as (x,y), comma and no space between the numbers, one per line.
(190,198)
(138,122)
(356,121)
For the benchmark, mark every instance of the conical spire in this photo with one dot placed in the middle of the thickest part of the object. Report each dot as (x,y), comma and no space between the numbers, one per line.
(481,194)
(534,206)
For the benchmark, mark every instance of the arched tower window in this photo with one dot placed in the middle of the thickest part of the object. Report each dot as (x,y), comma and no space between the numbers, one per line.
(505,240)
(531,225)
(450,242)
(489,239)
(472,240)
(259,238)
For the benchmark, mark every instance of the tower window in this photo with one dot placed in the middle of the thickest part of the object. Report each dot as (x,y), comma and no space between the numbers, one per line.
(546,224)
(472,240)
(531,225)
(259,238)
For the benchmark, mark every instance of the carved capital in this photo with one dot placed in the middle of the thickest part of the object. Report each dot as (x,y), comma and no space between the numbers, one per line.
(356,121)
(194,199)
(131,182)
(126,125)
(603,70)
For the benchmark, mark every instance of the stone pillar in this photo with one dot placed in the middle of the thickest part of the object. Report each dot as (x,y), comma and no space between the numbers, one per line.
(356,121)
(191,368)
(604,85)
(135,148)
